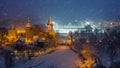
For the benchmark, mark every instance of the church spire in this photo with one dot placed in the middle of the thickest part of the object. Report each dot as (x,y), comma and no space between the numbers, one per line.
(28,19)
(50,22)
(28,23)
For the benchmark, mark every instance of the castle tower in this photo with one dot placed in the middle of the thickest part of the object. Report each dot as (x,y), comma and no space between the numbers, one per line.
(50,24)
(28,30)
(50,28)
(28,25)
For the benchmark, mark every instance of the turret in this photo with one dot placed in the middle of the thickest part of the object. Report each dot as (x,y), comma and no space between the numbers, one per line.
(28,30)
(28,25)
(50,22)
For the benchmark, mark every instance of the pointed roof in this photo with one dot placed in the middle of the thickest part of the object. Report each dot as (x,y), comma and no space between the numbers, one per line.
(28,23)
(50,21)
(12,26)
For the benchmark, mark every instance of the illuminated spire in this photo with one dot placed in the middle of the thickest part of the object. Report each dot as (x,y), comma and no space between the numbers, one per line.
(50,21)
(28,23)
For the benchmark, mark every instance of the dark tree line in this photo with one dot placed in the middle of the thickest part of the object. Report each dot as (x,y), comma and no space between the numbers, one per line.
(113,41)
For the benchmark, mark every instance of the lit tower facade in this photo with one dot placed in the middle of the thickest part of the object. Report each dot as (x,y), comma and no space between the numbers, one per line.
(28,31)
(50,25)
(50,28)
(12,34)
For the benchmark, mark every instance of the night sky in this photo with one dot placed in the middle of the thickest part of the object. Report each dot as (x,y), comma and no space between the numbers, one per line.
(62,11)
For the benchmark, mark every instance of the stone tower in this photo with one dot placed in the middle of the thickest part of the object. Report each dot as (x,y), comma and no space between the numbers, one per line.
(50,24)
(28,30)
(51,31)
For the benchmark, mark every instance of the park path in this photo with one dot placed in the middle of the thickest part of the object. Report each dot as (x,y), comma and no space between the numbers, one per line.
(62,57)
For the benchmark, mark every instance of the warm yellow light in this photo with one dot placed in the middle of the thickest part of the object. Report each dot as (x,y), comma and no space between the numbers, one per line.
(89,60)
(43,39)
(20,31)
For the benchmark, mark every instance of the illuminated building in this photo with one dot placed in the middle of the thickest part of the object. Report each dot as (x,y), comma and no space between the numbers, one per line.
(3,33)
(65,29)
(50,27)
(28,31)
(12,34)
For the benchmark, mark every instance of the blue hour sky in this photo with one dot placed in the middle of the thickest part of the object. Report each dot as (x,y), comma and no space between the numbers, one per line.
(63,11)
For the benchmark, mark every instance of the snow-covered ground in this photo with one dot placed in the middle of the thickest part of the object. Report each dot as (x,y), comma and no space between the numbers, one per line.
(2,65)
(63,57)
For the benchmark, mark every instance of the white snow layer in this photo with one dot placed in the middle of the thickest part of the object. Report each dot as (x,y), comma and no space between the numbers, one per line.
(63,57)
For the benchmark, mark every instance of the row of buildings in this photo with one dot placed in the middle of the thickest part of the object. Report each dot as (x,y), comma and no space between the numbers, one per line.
(28,33)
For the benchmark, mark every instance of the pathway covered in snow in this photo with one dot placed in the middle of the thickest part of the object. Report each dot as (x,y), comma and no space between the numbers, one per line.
(63,57)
